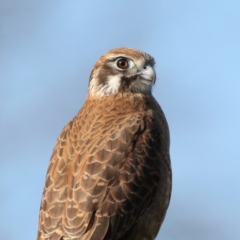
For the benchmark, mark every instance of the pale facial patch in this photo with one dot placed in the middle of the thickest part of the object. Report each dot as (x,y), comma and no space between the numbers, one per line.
(110,87)
(113,84)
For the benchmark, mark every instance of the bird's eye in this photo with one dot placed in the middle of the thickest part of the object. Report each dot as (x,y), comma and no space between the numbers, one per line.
(122,63)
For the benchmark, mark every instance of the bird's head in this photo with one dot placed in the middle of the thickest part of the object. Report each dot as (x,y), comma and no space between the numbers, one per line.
(122,70)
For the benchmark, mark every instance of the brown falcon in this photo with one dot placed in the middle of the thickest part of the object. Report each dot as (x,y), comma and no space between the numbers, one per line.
(109,176)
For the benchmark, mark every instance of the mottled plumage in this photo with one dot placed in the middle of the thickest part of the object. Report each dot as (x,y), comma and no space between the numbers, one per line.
(109,176)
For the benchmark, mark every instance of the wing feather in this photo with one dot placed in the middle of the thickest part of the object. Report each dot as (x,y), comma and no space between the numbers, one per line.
(102,176)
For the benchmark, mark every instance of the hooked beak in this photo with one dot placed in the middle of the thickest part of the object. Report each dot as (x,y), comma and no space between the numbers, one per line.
(148,74)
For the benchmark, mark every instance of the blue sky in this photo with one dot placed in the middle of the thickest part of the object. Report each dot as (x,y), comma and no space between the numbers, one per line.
(47,50)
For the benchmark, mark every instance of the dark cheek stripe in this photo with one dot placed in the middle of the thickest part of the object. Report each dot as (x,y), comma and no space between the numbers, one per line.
(106,71)
(126,83)
(103,73)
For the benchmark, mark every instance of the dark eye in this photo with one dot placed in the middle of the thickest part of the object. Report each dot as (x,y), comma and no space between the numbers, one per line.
(122,63)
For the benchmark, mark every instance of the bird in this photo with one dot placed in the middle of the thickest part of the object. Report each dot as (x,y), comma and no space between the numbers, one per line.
(109,176)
